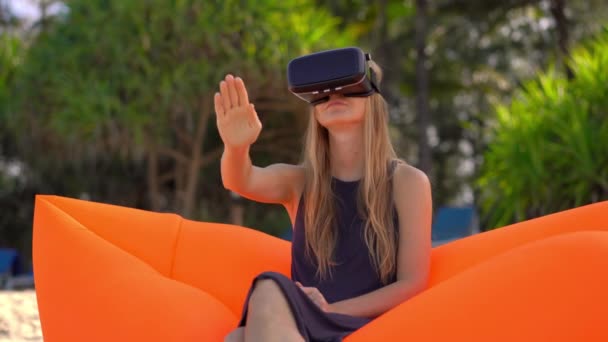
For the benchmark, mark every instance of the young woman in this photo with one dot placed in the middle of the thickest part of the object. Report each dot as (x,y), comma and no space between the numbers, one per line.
(361,218)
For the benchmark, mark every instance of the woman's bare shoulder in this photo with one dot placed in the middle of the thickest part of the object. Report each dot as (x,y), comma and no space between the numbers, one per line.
(407,176)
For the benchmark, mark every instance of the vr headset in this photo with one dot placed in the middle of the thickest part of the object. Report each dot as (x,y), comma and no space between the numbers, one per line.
(314,77)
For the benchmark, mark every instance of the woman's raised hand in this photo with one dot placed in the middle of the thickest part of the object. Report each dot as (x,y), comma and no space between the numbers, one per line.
(237,120)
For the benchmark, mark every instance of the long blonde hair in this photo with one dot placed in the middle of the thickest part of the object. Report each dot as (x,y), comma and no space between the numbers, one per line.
(375,199)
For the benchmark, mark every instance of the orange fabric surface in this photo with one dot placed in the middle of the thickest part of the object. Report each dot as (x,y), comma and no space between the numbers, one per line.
(453,258)
(110,273)
(224,259)
(89,289)
(549,290)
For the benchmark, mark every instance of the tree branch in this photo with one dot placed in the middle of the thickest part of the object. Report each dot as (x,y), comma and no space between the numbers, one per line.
(167,176)
(181,134)
(210,156)
(178,156)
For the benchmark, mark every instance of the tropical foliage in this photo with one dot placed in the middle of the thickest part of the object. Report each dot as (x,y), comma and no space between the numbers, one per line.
(550,152)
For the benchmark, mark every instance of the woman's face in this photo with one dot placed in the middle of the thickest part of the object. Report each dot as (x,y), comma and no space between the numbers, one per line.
(340,110)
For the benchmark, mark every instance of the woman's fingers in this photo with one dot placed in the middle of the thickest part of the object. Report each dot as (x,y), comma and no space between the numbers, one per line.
(225,96)
(233,93)
(309,291)
(254,120)
(219,107)
(241,92)
(314,294)
(234,97)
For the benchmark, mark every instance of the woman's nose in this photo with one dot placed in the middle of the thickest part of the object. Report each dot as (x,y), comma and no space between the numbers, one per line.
(336,96)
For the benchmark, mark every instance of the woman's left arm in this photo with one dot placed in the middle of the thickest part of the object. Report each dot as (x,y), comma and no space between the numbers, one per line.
(412,194)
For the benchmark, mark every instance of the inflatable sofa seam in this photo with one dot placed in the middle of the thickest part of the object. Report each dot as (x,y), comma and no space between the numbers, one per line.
(44,198)
(178,236)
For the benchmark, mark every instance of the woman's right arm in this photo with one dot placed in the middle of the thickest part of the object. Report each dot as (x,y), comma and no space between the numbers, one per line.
(239,127)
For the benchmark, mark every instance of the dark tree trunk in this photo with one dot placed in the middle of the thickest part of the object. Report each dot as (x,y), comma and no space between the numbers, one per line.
(422,88)
(561,23)
(196,160)
(152,174)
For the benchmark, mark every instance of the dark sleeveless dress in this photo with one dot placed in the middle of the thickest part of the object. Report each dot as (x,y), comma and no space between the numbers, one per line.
(352,276)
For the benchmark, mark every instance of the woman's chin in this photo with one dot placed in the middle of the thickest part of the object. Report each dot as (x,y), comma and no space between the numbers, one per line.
(339,115)
(340,121)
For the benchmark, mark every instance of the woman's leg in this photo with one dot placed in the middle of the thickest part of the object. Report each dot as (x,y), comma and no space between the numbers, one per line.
(269,317)
(236,335)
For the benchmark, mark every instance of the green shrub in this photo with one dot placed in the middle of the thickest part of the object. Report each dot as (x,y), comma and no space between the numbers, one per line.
(550,150)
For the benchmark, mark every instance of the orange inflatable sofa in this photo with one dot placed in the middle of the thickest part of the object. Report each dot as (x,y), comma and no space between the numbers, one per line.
(111,273)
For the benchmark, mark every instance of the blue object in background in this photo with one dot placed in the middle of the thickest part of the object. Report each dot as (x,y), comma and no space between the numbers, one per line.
(10,263)
(452,223)
(12,275)
(288,235)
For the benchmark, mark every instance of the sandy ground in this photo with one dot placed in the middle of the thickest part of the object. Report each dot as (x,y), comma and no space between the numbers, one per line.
(19,321)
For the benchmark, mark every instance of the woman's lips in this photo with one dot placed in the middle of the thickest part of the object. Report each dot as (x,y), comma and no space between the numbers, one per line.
(335,103)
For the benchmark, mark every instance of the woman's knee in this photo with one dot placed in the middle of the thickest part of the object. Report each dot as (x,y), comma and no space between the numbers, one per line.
(266,297)
(269,310)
